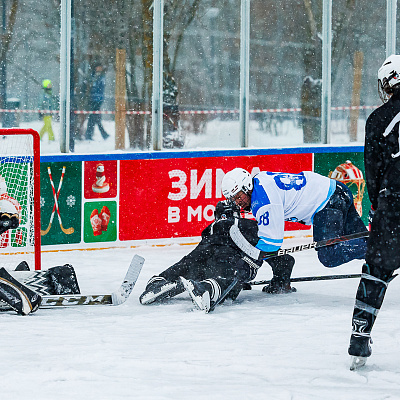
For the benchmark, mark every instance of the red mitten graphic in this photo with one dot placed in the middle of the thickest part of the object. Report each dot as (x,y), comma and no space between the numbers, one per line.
(105,218)
(95,220)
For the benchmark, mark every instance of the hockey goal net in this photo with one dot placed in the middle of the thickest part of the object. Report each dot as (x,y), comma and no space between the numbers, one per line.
(20,191)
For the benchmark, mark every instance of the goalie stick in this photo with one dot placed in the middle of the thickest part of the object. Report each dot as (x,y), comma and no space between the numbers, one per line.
(257,254)
(115,299)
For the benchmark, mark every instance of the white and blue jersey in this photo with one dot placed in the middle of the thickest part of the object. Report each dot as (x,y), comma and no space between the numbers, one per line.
(278,197)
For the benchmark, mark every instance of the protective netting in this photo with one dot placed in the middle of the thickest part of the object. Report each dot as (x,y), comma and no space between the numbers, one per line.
(17,195)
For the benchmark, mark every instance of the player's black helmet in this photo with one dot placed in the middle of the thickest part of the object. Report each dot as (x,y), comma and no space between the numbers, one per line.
(225,210)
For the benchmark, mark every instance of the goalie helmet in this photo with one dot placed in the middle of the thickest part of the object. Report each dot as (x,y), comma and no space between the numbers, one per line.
(350,175)
(226,210)
(235,181)
(388,77)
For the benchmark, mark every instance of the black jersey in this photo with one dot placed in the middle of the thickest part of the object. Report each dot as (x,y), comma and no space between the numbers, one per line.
(382,150)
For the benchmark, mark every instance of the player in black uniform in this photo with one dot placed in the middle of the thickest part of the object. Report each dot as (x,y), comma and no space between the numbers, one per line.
(212,266)
(382,168)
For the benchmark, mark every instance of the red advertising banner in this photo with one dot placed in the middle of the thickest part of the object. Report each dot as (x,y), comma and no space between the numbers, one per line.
(176,197)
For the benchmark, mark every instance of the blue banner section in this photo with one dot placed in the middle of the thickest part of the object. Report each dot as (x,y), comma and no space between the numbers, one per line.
(198,154)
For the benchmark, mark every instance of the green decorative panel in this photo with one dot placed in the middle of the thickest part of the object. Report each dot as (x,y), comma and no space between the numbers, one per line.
(325,163)
(100,221)
(65,226)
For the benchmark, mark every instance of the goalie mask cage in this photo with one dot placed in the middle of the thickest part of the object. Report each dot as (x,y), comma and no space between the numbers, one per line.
(20,190)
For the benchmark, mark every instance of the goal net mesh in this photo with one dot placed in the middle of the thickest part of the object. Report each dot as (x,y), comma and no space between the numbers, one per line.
(17,194)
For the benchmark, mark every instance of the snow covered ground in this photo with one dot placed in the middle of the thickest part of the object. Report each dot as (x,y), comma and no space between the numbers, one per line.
(262,346)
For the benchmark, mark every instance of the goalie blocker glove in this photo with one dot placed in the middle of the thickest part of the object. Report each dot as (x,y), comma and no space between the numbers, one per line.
(20,298)
(8,221)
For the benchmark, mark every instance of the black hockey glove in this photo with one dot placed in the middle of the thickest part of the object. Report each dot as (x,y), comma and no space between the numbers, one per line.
(246,268)
(226,210)
(8,221)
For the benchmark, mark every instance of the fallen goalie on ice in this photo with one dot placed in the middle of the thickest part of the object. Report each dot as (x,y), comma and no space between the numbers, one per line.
(22,290)
(26,291)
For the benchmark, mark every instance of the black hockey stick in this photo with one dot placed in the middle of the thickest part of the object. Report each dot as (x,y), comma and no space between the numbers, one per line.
(257,254)
(311,278)
(223,296)
(301,279)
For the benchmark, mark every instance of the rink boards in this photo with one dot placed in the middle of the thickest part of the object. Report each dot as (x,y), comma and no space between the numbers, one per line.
(159,197)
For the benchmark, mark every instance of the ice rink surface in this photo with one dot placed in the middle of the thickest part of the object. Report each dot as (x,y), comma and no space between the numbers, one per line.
(291,346)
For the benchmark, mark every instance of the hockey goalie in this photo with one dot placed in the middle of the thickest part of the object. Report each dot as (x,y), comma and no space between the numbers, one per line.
(21,290)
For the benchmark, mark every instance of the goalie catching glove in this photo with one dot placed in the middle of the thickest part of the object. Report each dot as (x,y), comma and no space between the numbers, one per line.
(8,221)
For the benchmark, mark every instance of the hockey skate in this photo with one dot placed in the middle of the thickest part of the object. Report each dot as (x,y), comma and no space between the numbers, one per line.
(198,292)
(277,287)
(18,296)
(158,288)
(360,350)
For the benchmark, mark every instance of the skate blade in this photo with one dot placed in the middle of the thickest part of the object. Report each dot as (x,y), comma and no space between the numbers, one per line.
(357,362)
(151,297)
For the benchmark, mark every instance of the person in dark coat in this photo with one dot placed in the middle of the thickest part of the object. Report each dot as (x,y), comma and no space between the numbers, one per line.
(96,100)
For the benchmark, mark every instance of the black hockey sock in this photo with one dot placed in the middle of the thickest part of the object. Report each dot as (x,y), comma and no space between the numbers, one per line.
(20,298)
(370,294)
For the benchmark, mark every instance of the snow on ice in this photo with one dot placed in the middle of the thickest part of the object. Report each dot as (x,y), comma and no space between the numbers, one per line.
(291,346)
(261,346)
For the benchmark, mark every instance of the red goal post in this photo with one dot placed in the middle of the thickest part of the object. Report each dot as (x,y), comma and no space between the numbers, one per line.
(20,190)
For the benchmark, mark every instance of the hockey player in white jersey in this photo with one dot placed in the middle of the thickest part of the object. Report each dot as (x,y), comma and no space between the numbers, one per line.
(307,197)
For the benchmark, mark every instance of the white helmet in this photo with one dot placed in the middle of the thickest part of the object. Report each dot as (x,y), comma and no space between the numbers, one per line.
(236,180)
(388,77)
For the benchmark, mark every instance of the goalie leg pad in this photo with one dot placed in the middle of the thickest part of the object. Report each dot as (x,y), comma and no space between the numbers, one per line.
(19,297)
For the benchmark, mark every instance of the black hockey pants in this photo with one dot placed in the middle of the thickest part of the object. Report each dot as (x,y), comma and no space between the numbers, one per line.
(384,240)
(339,217)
